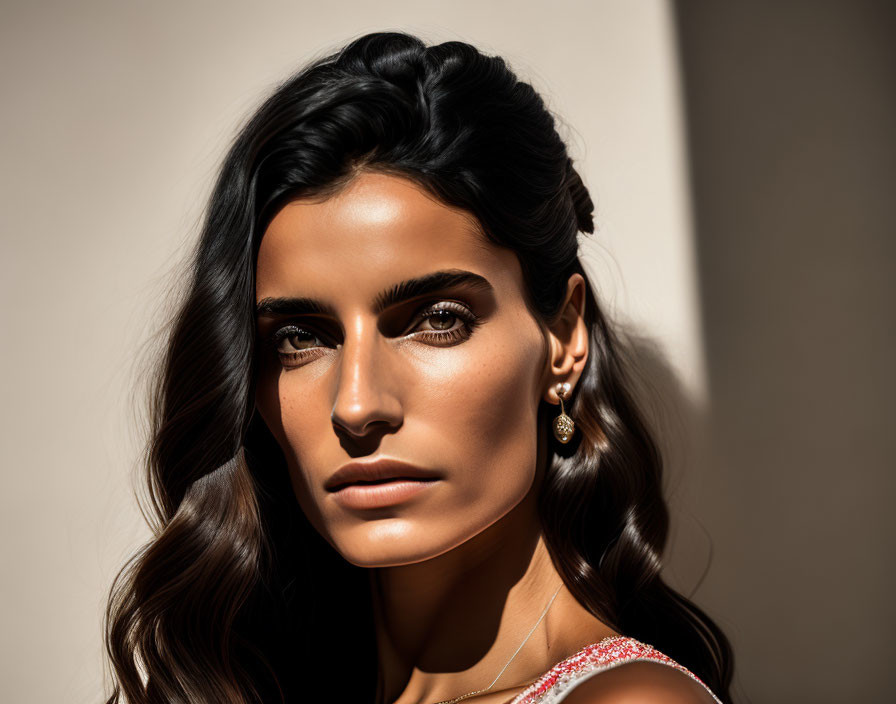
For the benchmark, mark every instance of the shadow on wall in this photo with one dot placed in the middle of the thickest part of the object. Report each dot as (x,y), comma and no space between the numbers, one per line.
(791,113)
(679,425)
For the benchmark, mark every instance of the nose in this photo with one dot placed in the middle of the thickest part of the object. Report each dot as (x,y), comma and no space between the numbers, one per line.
(365,399)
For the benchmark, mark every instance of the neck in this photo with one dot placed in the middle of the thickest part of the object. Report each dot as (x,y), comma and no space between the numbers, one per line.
(447,626)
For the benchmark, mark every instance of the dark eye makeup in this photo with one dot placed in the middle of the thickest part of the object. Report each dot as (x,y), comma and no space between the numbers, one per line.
(444,323)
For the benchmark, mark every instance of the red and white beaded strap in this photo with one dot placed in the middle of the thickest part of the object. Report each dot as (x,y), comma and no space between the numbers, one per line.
(608,653)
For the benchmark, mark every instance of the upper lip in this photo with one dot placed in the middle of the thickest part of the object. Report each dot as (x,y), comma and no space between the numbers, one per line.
(372,471)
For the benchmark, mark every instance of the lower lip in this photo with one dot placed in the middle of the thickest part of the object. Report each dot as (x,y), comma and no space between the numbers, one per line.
(361,496)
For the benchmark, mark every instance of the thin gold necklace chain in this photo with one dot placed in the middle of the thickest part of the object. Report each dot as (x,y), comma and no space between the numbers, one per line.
(481,691)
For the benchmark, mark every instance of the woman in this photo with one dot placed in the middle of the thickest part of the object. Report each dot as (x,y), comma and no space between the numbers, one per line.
(394,454)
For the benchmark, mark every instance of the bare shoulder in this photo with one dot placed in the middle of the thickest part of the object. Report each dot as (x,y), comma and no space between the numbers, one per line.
(639,683)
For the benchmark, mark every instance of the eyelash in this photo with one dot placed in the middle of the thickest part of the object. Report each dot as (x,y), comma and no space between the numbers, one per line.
(469,321)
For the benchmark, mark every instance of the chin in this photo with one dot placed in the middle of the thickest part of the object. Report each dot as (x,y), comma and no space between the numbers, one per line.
(392,543)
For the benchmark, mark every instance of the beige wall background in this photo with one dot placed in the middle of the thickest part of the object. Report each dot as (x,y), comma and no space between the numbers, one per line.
(772,361)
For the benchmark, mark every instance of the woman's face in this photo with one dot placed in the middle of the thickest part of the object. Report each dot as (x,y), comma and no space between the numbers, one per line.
(390,331)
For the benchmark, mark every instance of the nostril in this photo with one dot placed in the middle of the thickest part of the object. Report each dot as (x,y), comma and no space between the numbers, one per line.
(361,429)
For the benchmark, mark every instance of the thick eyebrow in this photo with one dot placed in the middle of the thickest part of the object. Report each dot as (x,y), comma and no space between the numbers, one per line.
(430,283)
(406,290)
(267,307)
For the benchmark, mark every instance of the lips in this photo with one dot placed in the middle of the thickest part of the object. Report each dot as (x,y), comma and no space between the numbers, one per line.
(382,470)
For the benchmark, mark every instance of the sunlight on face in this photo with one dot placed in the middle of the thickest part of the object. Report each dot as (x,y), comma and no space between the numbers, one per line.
(354,370)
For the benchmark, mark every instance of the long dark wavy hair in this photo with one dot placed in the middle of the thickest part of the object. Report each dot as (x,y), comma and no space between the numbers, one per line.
(237,598)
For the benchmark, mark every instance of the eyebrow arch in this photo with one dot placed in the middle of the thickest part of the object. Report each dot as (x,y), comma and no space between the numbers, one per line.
(406,290)
(430,283)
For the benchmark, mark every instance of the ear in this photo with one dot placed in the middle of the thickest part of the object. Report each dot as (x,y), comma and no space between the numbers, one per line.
(568,341)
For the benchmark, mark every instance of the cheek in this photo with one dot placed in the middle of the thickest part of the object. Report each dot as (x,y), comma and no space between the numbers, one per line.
(486,412)
(294,420)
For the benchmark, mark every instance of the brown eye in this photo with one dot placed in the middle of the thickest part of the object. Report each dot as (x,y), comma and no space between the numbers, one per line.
(444,323)
(294,339)
(441,319)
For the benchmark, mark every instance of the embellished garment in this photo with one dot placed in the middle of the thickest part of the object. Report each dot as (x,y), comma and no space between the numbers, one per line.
(553,686)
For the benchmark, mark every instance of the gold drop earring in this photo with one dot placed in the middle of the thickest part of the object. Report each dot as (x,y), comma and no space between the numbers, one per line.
(563,424)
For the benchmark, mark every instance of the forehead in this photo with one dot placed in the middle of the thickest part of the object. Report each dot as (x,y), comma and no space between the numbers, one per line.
(377,231)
